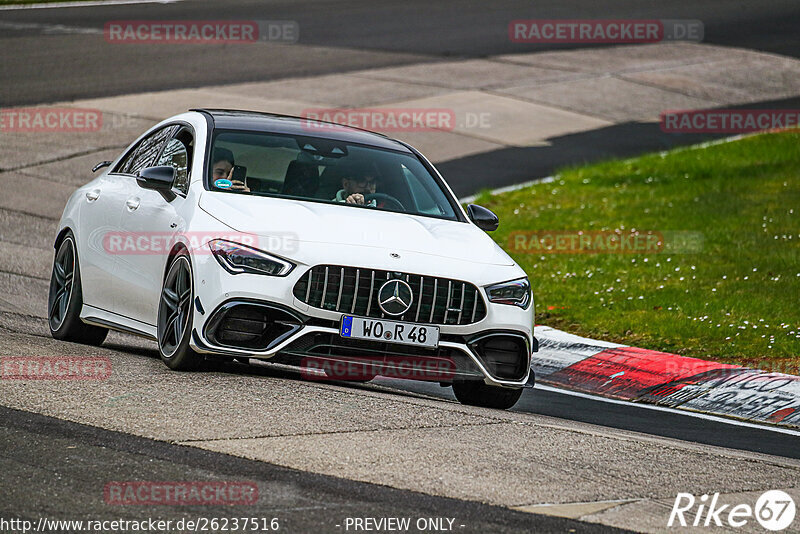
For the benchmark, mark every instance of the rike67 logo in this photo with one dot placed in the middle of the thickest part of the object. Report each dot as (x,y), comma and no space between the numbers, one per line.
(774,510)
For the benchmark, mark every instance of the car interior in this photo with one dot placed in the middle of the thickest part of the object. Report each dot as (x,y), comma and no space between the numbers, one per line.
(313,169)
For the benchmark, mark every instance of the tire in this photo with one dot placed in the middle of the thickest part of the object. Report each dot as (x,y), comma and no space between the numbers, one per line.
(65,298)
(175,316)
(476,393)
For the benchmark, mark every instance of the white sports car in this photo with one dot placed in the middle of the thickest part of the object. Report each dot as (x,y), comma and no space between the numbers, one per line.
(329,248)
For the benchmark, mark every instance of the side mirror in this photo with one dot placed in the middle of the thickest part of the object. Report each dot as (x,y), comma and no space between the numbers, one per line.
(158,179)
(483,218)
(101,165)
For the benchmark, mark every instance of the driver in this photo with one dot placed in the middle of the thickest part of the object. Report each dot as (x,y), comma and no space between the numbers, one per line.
(355,185)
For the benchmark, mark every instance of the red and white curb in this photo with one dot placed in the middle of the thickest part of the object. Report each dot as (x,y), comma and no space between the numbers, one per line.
(628,373)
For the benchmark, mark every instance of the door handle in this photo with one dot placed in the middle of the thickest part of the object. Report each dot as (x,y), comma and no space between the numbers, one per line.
(132,203)
(92,195)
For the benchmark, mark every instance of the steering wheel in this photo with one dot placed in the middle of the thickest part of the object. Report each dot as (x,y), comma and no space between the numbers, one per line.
(389,200)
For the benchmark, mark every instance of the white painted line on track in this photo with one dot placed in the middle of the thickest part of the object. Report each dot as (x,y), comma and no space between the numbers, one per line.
(676,411)
(53,5)
(49,29)
(506,189)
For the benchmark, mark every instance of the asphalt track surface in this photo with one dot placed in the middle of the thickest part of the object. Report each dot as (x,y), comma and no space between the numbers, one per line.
(633,417)
(334,37)
(57,466)
(56,469)
(51,55)
(73,463)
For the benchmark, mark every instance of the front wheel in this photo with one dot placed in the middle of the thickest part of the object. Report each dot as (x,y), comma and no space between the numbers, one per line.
(65,299)
(476,393)
(175,316)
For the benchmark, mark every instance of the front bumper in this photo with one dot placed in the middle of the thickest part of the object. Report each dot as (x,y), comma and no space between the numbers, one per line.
(306,331)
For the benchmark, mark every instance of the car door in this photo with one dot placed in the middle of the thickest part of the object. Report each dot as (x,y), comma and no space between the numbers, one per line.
(99,221)
(154,220)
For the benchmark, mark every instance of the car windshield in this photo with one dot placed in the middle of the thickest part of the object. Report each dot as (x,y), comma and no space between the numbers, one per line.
(325,170)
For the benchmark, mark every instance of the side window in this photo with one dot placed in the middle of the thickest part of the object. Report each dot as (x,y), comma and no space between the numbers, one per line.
(146,153)
(126,161)
(178,154)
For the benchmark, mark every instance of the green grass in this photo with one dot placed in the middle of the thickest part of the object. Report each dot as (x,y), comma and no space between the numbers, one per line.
(736,300)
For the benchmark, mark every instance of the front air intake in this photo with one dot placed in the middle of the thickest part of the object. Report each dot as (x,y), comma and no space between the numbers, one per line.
(505,356)
(249,325)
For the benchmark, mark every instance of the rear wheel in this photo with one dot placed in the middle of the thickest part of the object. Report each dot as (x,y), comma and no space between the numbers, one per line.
(65,299)
(175,316)
(476,393)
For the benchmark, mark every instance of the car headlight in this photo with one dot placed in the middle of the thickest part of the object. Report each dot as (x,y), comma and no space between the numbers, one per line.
(237,259)
(515,293)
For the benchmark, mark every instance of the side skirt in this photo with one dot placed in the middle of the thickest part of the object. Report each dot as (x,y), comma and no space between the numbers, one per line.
(120,323)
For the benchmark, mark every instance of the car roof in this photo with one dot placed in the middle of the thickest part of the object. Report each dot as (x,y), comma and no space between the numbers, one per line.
(234,119)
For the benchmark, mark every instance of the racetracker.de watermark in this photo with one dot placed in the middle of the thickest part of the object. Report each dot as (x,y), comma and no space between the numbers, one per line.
(200,31)
(120,243)
(55,368)
(366,368)
(45,119)
(604,242)
(390,119)
(193,493)
(729,120)
(617,31)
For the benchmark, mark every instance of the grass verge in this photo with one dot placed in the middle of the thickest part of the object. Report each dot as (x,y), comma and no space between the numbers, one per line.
(725,284)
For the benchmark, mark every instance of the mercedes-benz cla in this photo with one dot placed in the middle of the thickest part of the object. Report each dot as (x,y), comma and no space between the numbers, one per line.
(329,248)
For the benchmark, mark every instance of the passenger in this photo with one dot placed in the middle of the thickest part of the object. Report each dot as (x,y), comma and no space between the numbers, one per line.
(222,169)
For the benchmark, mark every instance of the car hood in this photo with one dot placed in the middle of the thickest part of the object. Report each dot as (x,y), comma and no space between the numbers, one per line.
(312,222)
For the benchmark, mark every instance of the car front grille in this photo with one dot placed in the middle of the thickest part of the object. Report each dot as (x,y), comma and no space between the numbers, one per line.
(355,291)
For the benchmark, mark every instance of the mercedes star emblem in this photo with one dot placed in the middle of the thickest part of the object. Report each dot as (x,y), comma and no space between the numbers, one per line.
(395,297)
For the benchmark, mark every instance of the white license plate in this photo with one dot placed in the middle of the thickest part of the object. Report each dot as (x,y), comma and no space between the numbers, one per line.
(420,335)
